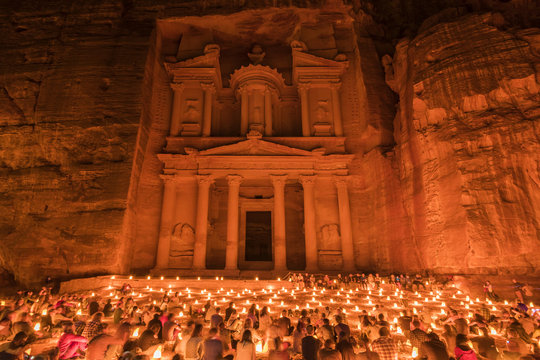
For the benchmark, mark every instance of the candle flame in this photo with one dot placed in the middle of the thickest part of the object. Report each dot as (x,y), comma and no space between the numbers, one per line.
(157,353)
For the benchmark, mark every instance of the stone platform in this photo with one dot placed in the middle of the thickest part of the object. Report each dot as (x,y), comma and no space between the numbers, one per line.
(180,282)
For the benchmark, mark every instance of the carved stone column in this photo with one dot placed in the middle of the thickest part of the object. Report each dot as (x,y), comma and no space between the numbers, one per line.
(167,222)
(347,246)
(231,252)
(176,116)
(280,245)
(244,119)
(268,111)
(308,183)
(201,226)
(304,102)
(209,90)
(336,109)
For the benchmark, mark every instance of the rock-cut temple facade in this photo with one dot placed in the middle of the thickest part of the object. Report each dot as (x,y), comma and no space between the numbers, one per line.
(254,169)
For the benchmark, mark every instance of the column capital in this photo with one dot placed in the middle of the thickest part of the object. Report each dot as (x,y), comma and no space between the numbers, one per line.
(208,87)
(242,89)
(178,86)
(278,180)
(340,180)
(307,180)
(304,86)
(335,85)
(234,180)
(168,178)
(205,179)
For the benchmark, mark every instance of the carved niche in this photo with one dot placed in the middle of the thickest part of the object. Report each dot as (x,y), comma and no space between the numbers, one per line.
(182,242)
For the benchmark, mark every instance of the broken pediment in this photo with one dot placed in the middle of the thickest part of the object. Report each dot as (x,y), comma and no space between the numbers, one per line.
(205,67)
(315,69)
(257,147)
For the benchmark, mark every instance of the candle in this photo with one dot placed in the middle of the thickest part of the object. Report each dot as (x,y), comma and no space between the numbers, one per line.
(157,353)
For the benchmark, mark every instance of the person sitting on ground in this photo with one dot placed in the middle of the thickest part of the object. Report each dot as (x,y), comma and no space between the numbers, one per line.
(71,346)
(310,345)
(245,349)
(485,345)
(194,344)
(108,347)
(149,338)
(170,328)
(216,318)
(385,346)
(463,351)
(212,347)
(93,327)
(417,335)
(433,349)
(365,352)
(341,327)
(328,352)
(14,349)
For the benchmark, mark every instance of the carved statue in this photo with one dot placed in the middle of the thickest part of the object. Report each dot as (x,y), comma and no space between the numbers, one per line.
(182,239)
(330,236)
(191,114)
(256,55)
(321,112)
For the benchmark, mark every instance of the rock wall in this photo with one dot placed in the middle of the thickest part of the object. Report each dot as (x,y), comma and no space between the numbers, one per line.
(455,189)
(468,151)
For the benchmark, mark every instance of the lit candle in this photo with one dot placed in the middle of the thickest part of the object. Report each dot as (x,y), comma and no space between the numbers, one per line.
(157,353)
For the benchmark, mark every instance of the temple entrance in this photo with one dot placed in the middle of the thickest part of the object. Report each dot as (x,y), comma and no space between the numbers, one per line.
(258,236)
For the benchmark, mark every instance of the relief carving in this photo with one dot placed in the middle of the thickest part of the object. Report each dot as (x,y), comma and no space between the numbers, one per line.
(256,55)
(192,114)
(322,126)
(182,240)
(330,236)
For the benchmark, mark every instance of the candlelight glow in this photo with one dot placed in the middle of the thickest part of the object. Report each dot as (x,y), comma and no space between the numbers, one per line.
(157,353)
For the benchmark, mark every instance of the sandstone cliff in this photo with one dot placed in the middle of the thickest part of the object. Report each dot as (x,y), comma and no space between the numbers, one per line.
(468,152)
(455,189)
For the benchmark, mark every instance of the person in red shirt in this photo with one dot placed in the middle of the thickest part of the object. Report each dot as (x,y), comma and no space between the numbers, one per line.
(71,346)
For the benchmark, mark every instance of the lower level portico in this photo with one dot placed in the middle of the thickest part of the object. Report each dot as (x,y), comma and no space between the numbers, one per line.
(255,205)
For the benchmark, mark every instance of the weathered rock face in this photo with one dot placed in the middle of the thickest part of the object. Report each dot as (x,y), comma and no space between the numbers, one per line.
(456,189)
(467,134)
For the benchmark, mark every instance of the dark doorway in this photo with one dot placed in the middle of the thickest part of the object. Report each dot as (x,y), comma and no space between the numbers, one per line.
(258,236)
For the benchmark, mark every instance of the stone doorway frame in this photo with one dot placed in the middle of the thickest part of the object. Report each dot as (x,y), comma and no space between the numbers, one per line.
(254,205)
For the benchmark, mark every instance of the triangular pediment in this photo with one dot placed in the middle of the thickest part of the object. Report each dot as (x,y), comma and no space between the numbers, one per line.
(255,147)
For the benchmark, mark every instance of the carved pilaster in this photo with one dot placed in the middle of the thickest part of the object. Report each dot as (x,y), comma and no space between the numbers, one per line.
(231,251)
(336,109)
(268,111)
(303,89)
(176,113)
(209,90)
(280,246)
(308,183)
(201,227)
(347,246)
(244,107)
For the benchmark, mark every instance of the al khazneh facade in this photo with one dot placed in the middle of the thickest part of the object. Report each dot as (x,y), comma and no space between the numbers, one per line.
(255,172)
